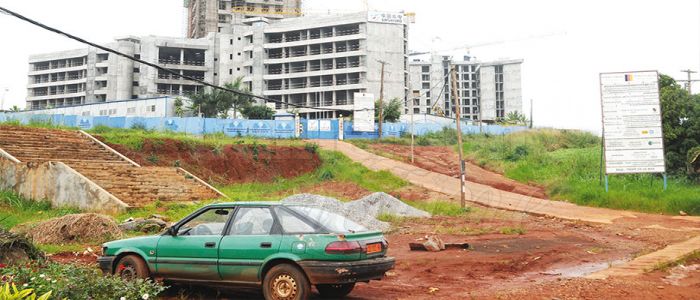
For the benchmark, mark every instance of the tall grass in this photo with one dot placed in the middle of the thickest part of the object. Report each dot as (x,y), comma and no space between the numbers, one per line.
(15,209)
(567,163)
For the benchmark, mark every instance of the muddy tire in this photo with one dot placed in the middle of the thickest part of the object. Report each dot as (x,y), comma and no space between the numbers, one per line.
(286,282)
(335,291)
(131,267)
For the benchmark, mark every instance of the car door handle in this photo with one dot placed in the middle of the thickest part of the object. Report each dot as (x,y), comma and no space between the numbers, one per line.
(209,244)
(265,245)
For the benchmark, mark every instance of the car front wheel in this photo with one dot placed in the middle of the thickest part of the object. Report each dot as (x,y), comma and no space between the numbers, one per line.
(335,290)
(286,282)
(131,267)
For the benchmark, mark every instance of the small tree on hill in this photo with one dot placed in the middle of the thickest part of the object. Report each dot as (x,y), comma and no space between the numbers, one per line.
(218,103)
(392,110)
(257,112)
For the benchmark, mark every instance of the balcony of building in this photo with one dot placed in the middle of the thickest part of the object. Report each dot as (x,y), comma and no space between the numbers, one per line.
(181,57)
(59,65)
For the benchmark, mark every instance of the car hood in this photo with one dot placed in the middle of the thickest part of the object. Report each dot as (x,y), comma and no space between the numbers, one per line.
(137,242)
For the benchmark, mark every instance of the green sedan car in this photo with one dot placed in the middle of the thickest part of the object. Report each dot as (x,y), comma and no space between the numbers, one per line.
(282,248)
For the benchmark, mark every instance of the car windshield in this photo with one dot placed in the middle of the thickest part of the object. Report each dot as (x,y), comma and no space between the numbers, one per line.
(335,223)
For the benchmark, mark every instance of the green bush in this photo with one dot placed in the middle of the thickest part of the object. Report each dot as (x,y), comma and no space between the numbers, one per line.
(76,282)
(7,293)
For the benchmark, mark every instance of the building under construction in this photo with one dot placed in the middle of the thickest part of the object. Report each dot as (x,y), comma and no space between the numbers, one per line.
(487,91)
(207,16)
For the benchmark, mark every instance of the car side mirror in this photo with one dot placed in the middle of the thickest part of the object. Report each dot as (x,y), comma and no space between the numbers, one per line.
(171,231)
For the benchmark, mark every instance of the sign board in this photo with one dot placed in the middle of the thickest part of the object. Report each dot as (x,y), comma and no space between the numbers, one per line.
(385,17)
(324,125)
(363,113)
(632,128)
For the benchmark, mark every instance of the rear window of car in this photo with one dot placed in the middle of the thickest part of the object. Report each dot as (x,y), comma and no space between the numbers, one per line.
(332,222)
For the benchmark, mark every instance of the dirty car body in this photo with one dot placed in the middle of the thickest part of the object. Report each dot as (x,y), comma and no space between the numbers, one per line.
(240,243)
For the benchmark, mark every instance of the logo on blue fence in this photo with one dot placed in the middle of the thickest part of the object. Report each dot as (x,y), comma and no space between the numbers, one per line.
(237,127)
(84,123)
(260,128)
(171,125)
(284,127)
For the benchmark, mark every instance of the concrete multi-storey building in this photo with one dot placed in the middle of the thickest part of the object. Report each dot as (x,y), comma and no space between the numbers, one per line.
(488,91)
(92,75)
(319,61)
(314,61)
(208,16)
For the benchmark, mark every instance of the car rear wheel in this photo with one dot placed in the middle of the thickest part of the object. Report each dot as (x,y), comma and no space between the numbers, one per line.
(131,267)
(286,282)
(335,290)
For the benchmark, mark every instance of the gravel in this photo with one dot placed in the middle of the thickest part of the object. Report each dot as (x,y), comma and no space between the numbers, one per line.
(364,211)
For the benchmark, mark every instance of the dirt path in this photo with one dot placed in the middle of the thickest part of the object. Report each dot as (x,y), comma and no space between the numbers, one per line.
(491,197)
(478,193)
(444,160)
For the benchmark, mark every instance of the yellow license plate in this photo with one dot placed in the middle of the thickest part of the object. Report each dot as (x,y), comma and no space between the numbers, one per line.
(374,248)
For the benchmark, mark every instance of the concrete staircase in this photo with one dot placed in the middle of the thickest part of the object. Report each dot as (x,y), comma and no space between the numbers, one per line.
(127,181)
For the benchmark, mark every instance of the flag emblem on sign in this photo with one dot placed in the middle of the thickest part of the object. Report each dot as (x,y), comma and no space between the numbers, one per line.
(629,77)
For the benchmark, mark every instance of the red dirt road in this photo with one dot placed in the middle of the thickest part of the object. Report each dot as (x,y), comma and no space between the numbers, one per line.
(444,160)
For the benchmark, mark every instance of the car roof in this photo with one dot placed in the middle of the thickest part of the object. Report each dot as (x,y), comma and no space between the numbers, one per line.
(245,203)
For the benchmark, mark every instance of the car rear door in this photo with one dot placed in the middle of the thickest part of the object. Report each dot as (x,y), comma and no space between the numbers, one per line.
(193,252)
(253,236)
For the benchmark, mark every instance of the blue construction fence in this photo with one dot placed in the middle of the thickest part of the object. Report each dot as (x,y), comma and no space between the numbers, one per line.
(311,129)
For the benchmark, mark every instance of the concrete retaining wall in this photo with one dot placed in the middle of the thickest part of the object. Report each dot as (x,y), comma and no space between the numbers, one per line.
(57,183)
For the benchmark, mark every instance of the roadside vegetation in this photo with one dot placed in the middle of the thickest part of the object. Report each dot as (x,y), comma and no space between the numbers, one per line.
(567,164)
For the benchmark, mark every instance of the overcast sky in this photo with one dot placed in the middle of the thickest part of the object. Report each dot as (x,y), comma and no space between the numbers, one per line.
(565,44)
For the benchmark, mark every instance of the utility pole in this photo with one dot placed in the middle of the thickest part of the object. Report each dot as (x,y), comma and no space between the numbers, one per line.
(413,138)
(532,104)
(458,108)
(2,99)
(381,99)
(689,82)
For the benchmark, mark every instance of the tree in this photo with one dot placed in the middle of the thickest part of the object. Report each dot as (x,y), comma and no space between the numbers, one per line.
(392,110)
(14,108)
(218,103)
(681,124)
(257,112)
(179,111)
(514,118)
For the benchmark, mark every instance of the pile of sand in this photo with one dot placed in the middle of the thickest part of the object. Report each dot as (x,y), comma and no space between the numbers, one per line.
(75,228)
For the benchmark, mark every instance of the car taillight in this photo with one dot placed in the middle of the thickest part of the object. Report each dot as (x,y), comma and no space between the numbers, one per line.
(343,247)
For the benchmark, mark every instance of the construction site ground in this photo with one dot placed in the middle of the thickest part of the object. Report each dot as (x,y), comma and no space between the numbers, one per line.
(550,252)
(512,256)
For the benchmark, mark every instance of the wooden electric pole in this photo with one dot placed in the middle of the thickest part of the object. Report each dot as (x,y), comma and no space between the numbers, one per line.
(689,82)
(381,99)
(458,108)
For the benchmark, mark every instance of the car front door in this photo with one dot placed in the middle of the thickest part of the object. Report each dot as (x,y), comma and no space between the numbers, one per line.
(192,252)
(253,236)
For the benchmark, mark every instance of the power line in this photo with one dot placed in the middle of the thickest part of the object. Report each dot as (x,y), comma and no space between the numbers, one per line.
(202,82)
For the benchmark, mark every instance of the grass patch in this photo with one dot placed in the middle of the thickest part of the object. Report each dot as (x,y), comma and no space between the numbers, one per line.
(15,210)
(567,164)
(335,166)
(440,208)
(135,137)
(693,256)
(512,230)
